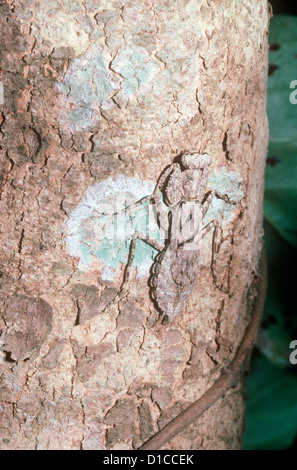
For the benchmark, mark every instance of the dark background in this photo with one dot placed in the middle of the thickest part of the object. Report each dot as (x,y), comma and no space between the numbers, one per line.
(284,7)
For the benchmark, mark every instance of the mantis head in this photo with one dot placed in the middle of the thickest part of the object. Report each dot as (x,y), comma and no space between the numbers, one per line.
(196,161)
(195,175)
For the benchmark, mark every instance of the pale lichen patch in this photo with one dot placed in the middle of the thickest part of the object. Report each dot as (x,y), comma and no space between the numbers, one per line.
(94,234)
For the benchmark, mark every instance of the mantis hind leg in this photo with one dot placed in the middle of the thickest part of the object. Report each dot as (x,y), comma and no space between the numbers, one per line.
(141,236)
(124,287)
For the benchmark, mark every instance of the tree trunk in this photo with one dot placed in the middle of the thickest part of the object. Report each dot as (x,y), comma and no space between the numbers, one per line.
(99,98)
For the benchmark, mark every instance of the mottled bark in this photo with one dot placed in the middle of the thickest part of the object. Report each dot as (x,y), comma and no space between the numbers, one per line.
(99,97)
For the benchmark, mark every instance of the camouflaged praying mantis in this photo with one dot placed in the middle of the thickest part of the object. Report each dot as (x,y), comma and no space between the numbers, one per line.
(175,269)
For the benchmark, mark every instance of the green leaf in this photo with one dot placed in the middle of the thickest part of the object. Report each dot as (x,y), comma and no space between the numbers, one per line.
(279,325)
(281,175)
(280,202)
(282,114)
(271,412)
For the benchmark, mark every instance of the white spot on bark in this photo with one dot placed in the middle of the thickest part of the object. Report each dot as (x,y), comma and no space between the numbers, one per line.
(93,235)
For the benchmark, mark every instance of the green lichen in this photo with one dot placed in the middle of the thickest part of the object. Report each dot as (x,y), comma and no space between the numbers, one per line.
(225,182)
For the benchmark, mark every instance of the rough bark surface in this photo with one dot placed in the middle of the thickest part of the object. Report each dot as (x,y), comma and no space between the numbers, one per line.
(118,89)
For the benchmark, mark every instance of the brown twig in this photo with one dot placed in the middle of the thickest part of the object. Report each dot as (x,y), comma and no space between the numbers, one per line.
(229,377)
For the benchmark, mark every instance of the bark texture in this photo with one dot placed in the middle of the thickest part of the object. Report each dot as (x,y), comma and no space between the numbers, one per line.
(99,97)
